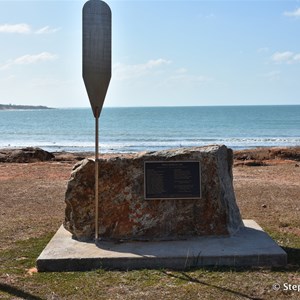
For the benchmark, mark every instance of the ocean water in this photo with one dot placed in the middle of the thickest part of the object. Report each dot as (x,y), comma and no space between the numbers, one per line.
(151,128)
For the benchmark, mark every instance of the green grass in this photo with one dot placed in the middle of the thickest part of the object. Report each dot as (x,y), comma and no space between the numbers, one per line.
(204,283)
(290,244)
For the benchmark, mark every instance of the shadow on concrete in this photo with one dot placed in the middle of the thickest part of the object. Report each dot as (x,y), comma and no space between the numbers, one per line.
(186,277)
(243,240)
(17,292)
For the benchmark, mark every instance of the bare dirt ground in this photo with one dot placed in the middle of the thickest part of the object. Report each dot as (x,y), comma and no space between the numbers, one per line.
(32,195)
(270,194)
(32,199)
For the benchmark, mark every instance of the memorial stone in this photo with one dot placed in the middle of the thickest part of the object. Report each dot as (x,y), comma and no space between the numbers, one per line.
(125,214)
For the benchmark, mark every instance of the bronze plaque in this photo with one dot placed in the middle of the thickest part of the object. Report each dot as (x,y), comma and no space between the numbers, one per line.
(172,180)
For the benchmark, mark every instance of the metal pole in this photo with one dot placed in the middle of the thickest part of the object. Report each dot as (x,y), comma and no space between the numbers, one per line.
(97,175)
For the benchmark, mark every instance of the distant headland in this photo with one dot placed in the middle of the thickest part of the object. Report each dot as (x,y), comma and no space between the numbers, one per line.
(21,107)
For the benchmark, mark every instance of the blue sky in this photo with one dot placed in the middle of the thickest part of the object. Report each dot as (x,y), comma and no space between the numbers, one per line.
(164,53)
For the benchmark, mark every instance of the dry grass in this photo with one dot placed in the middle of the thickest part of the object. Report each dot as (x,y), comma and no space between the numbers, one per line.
(32,209)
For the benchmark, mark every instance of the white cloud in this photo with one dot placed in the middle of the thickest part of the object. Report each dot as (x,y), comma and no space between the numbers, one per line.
(296,57)
(182,76)
(172,78)
(155,63)
(15,28)
(24,28)
(29,59)
(295,13)
(282,56)
(285,57)
(47,30)
(124,72)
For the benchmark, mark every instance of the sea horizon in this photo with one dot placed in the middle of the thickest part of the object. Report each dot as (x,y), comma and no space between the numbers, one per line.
(146,106)
(134,129)
(168,106)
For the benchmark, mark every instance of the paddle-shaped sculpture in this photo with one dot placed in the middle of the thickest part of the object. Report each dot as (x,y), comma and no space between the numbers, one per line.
(96,52)
(96,69)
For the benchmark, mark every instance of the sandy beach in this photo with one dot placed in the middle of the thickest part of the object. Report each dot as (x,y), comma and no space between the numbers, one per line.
(267,188)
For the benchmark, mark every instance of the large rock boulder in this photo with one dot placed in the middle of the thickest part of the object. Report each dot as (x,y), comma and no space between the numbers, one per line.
(25,155)
(124,214)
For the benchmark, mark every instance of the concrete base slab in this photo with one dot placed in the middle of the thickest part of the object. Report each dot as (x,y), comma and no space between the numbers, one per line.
(250,246)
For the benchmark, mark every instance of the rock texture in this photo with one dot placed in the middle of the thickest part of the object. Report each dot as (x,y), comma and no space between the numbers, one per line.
(261,154)
(125,215)
(25,155)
